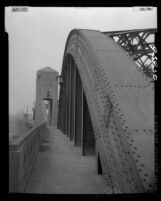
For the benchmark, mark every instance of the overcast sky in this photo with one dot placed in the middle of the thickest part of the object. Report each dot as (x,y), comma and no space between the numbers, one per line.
(37,39)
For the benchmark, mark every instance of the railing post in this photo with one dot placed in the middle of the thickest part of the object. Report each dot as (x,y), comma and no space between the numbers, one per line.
(13,171)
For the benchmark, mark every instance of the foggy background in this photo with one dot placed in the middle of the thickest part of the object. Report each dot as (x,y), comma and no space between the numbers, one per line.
(37,39)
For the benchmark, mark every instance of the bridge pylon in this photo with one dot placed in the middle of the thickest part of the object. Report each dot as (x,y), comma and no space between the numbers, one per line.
(46,96)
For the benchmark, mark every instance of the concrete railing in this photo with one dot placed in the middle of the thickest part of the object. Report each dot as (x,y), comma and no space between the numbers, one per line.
(22,154)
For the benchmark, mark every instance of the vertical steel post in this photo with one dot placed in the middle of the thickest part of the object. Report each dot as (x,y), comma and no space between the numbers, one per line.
(72,111)
(88,139)
(78,111)
(75,81)
(69,94)
(66,103)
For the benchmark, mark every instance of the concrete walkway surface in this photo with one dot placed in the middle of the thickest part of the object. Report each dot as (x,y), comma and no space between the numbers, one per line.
(60,168)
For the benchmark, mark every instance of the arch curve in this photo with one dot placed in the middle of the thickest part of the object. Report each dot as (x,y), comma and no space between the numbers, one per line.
(121,107)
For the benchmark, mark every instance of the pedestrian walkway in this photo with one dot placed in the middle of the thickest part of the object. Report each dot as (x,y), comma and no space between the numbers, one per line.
(60,168)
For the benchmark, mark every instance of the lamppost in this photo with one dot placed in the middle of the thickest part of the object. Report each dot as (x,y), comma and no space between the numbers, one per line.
(48,94)
(60,79)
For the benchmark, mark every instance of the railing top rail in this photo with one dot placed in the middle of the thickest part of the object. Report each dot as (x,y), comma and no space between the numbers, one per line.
(17,143)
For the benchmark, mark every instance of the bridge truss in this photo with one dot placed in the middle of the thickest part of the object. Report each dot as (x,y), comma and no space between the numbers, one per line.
(138,44)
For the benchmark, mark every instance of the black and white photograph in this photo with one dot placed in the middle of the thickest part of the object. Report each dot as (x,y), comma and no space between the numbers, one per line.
(81,99)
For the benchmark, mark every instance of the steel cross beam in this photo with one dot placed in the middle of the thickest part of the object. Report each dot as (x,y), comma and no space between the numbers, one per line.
(138,43)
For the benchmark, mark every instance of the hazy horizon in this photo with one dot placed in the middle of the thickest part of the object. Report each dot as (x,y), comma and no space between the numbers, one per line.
(37,39)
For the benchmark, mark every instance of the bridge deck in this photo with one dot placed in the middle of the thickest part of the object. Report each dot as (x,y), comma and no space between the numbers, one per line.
(60,168)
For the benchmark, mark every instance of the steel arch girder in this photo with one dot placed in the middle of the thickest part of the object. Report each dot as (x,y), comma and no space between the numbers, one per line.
(120,137)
